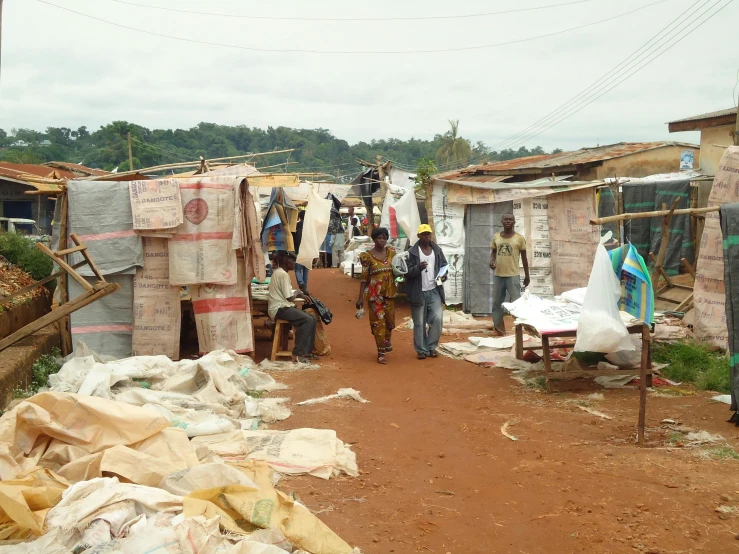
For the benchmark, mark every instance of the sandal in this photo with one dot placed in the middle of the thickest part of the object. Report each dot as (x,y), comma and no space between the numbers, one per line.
(381,359)
(301,360)
(433,354)
(421,356)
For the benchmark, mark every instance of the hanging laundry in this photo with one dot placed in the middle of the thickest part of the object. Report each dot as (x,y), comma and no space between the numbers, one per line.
(637,297)
(279,222)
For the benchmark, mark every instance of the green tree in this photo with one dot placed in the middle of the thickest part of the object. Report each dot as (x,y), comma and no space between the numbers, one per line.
(425,171)
(453,149)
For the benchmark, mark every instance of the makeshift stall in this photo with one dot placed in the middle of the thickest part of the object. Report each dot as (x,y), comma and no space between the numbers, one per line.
(553,217)
(154,237)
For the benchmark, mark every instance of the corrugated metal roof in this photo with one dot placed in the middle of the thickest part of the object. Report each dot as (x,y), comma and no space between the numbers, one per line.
(16,171)
(709,115)
(76,169)
(577,157)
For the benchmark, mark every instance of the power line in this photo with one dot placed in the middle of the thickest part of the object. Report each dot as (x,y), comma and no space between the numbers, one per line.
(625,69)
(572,111)
(610,76)
(353,52)
(339,19)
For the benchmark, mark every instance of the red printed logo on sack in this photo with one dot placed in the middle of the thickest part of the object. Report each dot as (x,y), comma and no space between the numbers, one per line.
(196,211)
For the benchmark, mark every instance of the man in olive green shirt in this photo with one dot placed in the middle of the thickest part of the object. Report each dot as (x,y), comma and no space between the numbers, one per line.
(507,249)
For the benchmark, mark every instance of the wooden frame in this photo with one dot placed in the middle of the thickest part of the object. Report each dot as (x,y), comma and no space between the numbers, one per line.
(92,292)
(645,369)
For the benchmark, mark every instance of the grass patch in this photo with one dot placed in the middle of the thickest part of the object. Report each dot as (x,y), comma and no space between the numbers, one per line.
(20,251)
(43,367)
(693,362)
(537,383)
(724,453)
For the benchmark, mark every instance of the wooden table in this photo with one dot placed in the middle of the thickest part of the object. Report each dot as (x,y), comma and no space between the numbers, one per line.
(645,369)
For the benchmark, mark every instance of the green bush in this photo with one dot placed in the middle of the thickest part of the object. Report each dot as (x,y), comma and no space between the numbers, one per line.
(695,363)
(20,251)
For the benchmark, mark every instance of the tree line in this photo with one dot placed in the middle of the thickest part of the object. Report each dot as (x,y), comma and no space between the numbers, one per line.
(317,150)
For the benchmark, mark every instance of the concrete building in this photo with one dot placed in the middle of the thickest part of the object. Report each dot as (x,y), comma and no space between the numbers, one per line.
(717,131)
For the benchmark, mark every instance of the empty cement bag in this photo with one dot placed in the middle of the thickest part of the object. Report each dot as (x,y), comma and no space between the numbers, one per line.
(600,328)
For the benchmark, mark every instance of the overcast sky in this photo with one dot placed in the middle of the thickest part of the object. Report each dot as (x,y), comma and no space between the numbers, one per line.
(63,69)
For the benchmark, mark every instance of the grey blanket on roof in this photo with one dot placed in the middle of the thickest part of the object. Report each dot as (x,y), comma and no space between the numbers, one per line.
(730,230)
(100,214)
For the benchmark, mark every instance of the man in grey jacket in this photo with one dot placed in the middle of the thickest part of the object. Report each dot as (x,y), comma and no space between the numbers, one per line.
(425,294)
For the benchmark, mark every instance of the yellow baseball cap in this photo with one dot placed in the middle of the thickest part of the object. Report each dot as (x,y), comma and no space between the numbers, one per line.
(425,228)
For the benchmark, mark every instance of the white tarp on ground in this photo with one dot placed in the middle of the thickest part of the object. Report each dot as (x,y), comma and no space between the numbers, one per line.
(203,396)
(317,452)
(456,323)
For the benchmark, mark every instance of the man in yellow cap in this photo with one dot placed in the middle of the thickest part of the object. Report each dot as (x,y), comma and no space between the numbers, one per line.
(425,292)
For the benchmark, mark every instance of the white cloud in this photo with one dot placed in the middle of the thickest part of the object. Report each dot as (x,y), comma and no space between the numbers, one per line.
(63,69)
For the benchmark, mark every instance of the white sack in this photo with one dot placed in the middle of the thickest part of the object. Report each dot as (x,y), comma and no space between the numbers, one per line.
(600,328)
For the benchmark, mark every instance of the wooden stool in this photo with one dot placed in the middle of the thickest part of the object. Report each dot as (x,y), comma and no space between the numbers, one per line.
(280,340)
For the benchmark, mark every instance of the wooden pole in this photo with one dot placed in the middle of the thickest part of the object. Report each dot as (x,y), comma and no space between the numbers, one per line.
(664,242)
(645,339)
(64,327)
(130,153)
(736,126)
(60,313)
(646,215)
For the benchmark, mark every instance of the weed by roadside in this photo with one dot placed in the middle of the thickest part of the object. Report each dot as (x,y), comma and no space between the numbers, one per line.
(693,362)
(42,368)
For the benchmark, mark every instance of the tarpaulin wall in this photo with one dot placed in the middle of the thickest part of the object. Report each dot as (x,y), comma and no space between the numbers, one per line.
(710,292)
(646,234)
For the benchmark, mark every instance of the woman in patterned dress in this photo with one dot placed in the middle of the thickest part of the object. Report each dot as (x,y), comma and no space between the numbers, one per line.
(378,285)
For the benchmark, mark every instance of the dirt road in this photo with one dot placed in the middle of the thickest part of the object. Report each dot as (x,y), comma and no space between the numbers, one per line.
(437,475)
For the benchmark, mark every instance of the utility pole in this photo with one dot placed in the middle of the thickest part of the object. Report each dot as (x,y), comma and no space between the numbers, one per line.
(736,126)
(130,150)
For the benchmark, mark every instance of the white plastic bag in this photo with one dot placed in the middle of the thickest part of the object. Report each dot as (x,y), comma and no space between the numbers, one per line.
(600,328)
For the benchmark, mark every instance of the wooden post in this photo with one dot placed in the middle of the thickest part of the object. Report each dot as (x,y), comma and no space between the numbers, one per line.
(736,126)
(64,327)
(130,153)
(645,341)
(664,242)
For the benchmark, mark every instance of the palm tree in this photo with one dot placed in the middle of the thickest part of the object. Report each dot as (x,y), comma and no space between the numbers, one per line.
(454,149)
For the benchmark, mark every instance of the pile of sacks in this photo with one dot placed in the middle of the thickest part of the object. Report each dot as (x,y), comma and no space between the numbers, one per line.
(111,467)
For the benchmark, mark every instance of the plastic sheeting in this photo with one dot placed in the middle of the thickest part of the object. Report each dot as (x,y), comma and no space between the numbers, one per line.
(650,194)
(201,249)
(106,325)
(315,225)
(100,214)
(317,452)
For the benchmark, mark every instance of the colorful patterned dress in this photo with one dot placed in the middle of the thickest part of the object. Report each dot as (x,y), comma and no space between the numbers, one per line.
(380,296)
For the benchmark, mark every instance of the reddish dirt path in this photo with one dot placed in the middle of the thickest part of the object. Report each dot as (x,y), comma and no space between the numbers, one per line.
(438,476)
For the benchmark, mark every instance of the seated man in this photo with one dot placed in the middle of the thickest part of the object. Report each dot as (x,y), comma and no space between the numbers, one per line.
(280,306)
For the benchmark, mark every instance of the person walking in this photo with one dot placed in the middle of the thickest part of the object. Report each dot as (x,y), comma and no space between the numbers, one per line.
(378,286)
(301,272)
(425,294)
(506,251)
(280,306)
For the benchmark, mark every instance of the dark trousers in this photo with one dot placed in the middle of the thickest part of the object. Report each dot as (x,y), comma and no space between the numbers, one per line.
(305,329)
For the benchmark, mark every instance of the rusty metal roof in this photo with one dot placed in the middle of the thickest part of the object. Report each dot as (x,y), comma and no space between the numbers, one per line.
(569,159)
